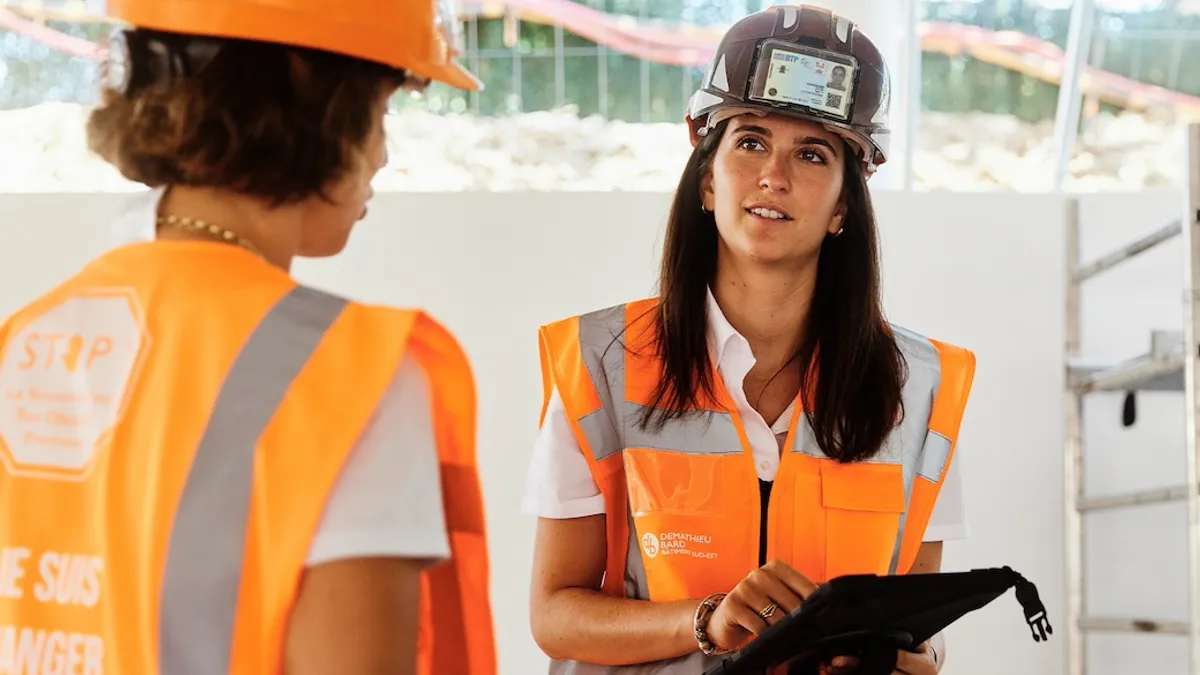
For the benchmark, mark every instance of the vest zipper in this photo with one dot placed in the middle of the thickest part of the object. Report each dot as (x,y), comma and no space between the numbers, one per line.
(764,486)
(764,496)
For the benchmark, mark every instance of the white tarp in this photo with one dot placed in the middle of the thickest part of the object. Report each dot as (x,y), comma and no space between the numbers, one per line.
(44,150)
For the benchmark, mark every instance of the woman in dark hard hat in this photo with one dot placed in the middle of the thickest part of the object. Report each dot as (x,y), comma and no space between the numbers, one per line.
(708,456)
(215,468)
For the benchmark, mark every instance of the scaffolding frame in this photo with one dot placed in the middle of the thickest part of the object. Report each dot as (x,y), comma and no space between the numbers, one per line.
(1172,364)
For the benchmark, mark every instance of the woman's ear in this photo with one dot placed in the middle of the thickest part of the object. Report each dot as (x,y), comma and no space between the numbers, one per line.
(706,191)
(839,217)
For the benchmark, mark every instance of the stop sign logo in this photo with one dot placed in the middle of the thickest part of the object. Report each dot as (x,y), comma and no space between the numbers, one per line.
(64,380)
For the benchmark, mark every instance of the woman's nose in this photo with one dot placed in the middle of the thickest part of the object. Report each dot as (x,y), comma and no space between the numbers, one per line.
(774,177)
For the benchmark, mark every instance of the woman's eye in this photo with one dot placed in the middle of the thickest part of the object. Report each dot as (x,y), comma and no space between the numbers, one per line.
(749,143)
(810,155)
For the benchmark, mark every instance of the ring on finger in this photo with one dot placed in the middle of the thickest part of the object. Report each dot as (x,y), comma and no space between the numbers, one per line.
(768,611)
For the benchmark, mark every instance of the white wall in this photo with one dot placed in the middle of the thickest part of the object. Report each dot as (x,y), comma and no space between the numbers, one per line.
(981,270)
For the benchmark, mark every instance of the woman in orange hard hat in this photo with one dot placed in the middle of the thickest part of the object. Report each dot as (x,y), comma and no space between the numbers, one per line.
(710,455)
(206,466)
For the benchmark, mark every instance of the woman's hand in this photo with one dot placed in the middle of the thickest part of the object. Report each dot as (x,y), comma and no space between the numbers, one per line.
(920,662)
(760,600)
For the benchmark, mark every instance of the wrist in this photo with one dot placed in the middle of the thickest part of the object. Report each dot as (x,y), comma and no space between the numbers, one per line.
(685,626)
(700,622)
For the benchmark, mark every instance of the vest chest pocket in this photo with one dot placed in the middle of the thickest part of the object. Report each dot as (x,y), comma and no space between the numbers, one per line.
(693,519)
(864,504)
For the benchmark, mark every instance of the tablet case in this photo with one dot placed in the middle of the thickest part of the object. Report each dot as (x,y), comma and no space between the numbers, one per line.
(872,617)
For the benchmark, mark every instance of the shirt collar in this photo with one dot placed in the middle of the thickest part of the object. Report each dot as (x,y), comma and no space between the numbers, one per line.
(136,222)
(720,331)
(721,334)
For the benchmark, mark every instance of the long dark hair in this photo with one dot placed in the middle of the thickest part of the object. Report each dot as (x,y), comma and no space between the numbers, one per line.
(856,401)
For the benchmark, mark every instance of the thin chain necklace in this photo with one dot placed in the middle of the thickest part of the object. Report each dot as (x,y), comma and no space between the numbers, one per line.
(209,230)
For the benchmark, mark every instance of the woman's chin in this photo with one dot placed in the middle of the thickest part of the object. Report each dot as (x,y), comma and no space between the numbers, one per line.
(767,252)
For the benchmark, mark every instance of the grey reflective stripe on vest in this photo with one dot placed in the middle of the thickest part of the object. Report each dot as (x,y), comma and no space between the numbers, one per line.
(205,553)
(601,339)
(909,443)
(709,433)
(636,584)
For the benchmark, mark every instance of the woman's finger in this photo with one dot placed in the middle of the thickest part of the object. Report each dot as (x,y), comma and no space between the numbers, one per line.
(842,664)
(779,592)
(747,616)
(919,663)
(801,585)
(758,593)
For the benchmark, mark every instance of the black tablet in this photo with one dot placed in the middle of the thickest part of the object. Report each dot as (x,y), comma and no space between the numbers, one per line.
(872,617)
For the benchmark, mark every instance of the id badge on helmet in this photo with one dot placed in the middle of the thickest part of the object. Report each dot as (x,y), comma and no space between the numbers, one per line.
(810,80)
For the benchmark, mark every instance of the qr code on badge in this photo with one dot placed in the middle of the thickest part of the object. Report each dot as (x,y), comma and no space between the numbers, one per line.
(833,100)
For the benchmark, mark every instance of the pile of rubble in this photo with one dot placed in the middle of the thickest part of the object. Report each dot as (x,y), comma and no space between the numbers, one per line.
(987,152)
(43,150)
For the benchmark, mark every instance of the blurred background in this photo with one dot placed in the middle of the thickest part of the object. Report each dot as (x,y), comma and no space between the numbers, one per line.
(576,92)
(1031,136)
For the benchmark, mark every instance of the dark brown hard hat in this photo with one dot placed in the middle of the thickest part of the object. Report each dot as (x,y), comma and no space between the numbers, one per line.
(803,61)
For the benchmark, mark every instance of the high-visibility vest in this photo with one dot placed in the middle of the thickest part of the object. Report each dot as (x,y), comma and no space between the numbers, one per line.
(174,419)
(683,504)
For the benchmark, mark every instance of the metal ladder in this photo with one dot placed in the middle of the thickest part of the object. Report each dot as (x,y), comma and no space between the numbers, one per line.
(1168,366)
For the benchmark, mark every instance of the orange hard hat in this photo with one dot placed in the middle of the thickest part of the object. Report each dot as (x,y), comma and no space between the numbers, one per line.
(421,37)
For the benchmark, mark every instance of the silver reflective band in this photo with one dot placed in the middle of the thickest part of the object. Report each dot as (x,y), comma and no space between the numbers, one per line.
(601,338)
(811,80)
(907,444)
(204,557)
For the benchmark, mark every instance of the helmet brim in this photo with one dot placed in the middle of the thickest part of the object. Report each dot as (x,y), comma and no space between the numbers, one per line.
(452,74)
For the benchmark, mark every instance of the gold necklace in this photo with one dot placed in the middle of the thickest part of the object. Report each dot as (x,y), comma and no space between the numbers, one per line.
(210,230)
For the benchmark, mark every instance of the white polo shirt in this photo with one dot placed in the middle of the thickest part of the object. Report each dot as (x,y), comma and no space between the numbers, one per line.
(559,484)
(388,498)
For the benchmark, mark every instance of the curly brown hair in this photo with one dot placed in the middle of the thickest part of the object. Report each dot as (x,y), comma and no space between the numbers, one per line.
(270,121)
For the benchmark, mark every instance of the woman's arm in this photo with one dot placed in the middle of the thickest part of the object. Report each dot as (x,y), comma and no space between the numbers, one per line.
(571,619)
(355,616)
(383,525)
(929,558)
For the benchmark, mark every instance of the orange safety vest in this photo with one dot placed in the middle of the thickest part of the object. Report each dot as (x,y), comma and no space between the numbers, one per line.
(683,505)
(174,418)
